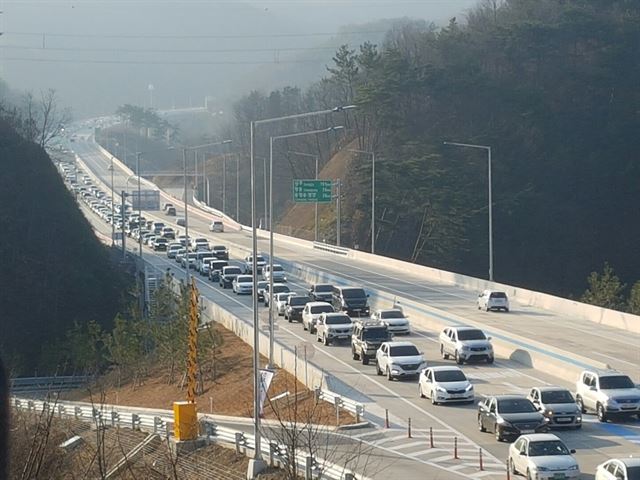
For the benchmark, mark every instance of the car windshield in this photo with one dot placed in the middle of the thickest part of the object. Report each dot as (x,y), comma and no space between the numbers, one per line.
(260,258)
(353,293)
(515,405)
(218,265)
(403,351)
(338,320)
(375,334)
(321,309)
(618,381)
(243,278)
(233,271)
(547,447)
(557,396)
(498,295)
(391,314)
(298,300)
(278,268)
(633,473)
(280,288)
(449,376)
(219,247)
(282,296)
(471,335)
(323,288)
(192,256)
(262,284)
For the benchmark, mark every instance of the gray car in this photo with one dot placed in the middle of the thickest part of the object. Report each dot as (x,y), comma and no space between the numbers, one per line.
(558,405)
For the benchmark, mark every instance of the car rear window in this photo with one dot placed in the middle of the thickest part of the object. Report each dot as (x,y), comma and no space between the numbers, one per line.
(298,300)
(516,405)
(557,396)
(321,309)
(323,288)
(233,270)
(498,295)
(280,288)
(353,293)
(618,381)
(375,334)
(392,314)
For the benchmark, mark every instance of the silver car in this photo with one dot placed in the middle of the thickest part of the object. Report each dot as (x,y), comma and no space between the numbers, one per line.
(465,344)
(558,405)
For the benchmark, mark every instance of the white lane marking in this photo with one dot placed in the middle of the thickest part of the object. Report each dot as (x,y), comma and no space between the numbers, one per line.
(616,358)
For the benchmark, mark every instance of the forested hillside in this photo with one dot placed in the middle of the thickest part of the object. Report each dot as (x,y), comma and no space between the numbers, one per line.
(54,271)
(551,86)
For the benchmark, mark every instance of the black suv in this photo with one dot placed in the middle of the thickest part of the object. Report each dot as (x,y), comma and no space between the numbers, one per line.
(352,300)
(367,338)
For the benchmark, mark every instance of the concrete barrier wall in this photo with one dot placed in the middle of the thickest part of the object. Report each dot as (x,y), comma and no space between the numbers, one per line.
(598,315)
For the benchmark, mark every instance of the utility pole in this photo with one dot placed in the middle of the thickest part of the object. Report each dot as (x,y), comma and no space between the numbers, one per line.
(124,249)
(186,213)
(224,183)
(237,188)
(338,211)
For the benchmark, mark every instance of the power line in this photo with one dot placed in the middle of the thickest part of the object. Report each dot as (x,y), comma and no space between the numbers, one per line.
(151,62)
(198,36)
(153,50)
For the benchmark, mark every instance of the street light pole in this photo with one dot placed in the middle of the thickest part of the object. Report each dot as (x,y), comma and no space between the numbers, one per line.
(488,150)
(257,464)
(138,154)
(186,214)
(373,195)
(224,182)
(237,188)
(271,141)
(316,157)
(113,223)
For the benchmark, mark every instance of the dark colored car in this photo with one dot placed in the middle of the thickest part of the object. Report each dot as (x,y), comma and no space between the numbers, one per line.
(215,269)
(509,416)
(220,251)
(351,300)
(262,284)
(367,338)
(228,275)
(321,292)
(294,307)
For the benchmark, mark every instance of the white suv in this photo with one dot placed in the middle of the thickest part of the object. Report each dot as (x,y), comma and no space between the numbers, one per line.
(331,327)
(399,359)
(608,393)
(445,384)
(465,344)
(311,312)
(395,320)
(278,273)
(493,300)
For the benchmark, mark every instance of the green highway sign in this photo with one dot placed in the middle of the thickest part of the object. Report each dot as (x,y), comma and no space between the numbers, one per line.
(312,191)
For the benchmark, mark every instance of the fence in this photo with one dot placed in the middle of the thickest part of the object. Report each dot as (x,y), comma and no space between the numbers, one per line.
(109,415)
(38,384)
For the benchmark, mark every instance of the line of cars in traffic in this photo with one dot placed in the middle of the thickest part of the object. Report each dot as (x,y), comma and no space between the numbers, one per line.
(337,314)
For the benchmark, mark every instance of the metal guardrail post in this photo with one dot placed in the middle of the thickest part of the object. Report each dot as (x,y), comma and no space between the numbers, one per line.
(318,393)
(115,418)
(77,412)
(308,468)
(239,441)
(30,405)
(157,424)
(61,411)
(337,401)
(135,421)
(359,412)
(273,451)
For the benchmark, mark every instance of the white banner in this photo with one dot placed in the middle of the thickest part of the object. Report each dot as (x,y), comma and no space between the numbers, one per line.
(265,381)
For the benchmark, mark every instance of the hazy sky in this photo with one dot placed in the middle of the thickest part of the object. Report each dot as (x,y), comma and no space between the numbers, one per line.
(100,54)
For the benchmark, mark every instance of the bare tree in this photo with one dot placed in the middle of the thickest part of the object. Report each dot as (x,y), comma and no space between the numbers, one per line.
(52,120)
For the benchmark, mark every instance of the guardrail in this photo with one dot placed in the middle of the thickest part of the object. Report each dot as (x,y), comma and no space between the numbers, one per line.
(339,401)
(32,384)
(325,247)
(108,415)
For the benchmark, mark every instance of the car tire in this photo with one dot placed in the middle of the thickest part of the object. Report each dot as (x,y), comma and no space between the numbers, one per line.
(442,353)
(304,326)
(458,359)
(433,398)
(578,427)
(480,425)
(487,309)
(506,310)
(498,435)
(601,413)
(420,392)
(580,404)
(378,371)
(289,319)
(512,467)
(365,360)
(325,340)
(318,339)
(354,354)
(529,477)
(490,360)
(389,376)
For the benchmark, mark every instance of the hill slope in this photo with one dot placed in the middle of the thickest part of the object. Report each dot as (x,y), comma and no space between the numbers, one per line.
(54,271)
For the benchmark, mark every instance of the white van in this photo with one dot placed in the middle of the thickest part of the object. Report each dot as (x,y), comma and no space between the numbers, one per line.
(216,226)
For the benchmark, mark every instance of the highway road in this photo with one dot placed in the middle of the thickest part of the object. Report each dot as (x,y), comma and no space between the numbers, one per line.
(595,443)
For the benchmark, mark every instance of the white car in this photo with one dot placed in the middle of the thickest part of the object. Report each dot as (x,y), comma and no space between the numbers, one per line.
(445,384)
(197,243)
(280,303)
(248,263)
(608,393)
(242,285)
(311,312)
(542,456)
(493,300)
(465,344)
(333,326)
(399,359)
(278,273)
(216,226)
(395,320)
(619,469)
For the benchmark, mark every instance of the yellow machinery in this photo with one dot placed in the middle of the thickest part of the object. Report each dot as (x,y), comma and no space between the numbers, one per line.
(185,414)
